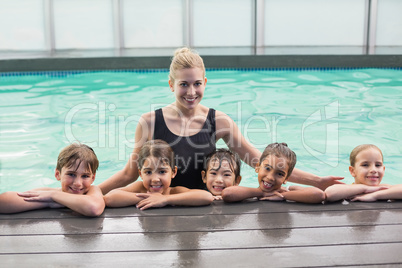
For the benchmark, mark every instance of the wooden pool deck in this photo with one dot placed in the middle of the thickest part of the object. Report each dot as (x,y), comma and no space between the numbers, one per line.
(247,234)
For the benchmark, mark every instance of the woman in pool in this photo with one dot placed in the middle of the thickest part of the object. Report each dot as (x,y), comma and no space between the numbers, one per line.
(192,130)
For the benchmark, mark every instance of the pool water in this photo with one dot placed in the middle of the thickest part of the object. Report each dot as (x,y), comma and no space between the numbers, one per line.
(321,114)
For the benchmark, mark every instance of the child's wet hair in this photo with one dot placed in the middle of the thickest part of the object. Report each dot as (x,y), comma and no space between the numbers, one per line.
(224,154)
(74,152)
(185,58)
(358,149)
(280,150)
(158,149)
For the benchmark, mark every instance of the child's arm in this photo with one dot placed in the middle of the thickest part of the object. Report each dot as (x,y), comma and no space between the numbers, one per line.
(239,193)
(89,204)
(179,196)
(300,194)
(126,196)
(393,192)
(11,202)
(339,192)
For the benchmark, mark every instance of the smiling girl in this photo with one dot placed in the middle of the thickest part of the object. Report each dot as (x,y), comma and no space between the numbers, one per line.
(157,169)
(366,166)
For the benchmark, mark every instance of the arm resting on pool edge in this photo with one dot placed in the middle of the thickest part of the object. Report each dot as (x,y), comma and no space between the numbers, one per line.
(11,202)
(90,204)
(310,195)
(177,197)
(240,193)
(393,193)
(339,192)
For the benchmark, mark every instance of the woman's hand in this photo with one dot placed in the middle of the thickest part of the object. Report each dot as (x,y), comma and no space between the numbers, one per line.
(326,181)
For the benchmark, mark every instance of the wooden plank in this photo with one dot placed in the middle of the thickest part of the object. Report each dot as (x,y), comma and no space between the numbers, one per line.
(209,222)
(324,256)
(243,239)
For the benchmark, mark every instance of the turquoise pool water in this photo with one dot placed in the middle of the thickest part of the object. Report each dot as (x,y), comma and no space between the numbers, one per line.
(322,115)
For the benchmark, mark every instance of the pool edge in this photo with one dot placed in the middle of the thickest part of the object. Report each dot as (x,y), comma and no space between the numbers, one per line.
(219,62)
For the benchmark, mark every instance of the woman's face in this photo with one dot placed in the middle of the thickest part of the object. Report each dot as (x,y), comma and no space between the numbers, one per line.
(188,87)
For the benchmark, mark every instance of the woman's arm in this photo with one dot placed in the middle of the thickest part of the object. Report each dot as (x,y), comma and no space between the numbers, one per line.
(303,177)
(300,194)
(126,196)
(129,173)
(227,130)
(90,204)
(339,192)
(177,197)
(239,193)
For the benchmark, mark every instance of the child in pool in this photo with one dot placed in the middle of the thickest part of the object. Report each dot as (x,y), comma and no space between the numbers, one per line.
(76,168)
(157,169)
(274,168)
(366,166)
(222,169)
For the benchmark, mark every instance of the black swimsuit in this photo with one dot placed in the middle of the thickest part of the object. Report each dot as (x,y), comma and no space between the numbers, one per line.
(190,152)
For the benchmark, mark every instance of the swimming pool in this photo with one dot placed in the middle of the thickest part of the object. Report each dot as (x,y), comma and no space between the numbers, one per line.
(321,114)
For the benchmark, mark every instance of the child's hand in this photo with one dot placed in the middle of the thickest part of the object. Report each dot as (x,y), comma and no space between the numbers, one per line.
(217,197)
(364,198)
(151,200)
(372,189)
(39,196)
(273,196)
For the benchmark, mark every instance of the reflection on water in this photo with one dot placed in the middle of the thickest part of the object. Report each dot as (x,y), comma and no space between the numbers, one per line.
(40,114)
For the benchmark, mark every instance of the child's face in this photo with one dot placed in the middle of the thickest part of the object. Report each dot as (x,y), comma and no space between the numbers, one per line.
(75,180)
(272,173)
(188,86)
(156,175)
(218,178)
(368,168)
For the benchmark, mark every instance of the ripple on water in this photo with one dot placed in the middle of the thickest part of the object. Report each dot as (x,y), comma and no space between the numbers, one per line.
(309,77)
(49,83)
(361,75)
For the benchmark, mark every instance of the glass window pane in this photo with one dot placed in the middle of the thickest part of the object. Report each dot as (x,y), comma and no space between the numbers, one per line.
(22,25)
(389,23)
(222,23)
(314,23)
(156,23)
(83,24)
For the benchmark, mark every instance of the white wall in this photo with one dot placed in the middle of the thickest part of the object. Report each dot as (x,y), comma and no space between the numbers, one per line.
(288,26)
